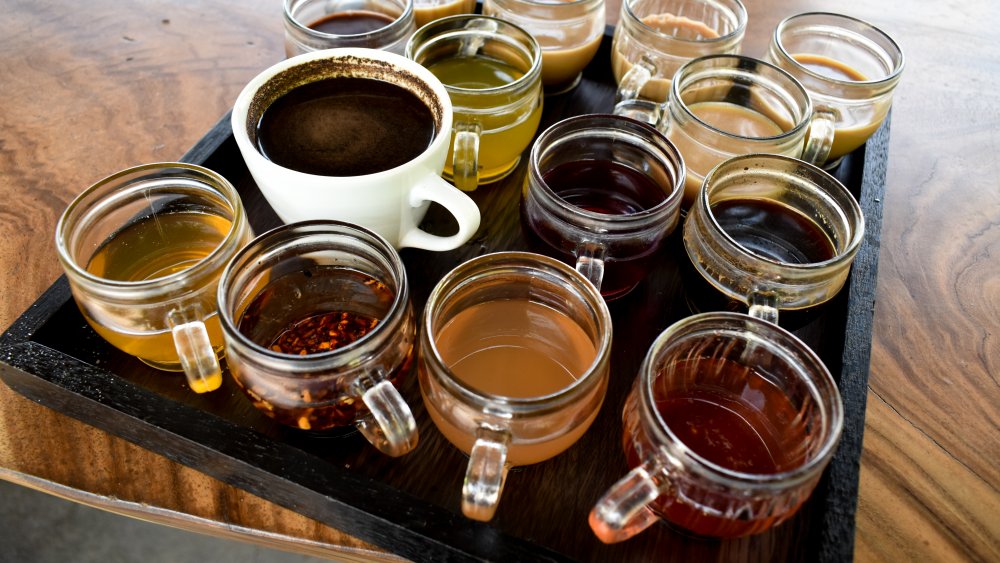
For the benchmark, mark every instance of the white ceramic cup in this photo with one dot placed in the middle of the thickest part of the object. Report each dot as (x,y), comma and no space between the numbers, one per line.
(391,202)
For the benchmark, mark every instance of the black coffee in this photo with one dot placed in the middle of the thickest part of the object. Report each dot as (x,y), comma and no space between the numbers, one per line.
(345,126)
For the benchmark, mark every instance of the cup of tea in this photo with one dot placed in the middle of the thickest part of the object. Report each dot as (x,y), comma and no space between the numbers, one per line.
(601,194)
(491,70)
(143,250)
(655,37)
(568,32)
(728,428)
(355,135)
(773,232)
(849,67)
(426,11)
(514,355)
(312,25)
(726,105)
(320,330)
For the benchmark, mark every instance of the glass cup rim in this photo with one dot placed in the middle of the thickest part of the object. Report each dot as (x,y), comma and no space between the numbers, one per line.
(554,4)
(738,31)
(725,322)
(524,81)
(517,405)
(893,76)
(298,230)
(643,216)
(847,254)
(401,21)
(685,69)
(163,283)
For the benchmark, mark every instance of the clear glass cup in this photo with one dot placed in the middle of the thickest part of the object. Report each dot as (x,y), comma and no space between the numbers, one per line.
(143,250)
(313,25)
(849,67)
(426,11)
(492,72)
(726,105)
(319,329)
(655,37)
(773,232)
(514,360)
(568,31)
(602,192)
(769,417)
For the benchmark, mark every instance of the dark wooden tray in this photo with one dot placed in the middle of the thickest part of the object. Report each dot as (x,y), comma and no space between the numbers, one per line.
(410,505)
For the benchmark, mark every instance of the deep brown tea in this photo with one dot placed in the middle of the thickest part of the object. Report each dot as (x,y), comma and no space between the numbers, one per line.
(351,22)
(774,231)
(345,126)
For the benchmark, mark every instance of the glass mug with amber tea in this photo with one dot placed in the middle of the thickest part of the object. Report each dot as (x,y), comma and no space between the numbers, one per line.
(849,67)
(568,31)
(727,105)
(655,37)
(492,72)
(319,329)
(728,428)
(311,25)
(355,135)
(514,356)
(773,232)
(143,250)
(602,192)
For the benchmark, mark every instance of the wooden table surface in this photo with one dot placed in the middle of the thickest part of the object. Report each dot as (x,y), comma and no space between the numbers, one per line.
(89,88)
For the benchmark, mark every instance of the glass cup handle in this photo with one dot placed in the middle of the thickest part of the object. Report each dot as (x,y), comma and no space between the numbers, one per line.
(624,510)
(194,350)
(486,473)
(627,100)
(821,131)
(465,156)
(590,258)
(763,305)
(389,424)
(462,208)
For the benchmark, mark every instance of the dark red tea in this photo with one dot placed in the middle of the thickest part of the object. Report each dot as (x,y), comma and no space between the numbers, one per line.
(774,231)
(345,126)
(351,22)
(314,311)
(733,417)
(606,187)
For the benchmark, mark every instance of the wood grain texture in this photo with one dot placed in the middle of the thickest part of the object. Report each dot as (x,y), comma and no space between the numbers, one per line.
(89,89)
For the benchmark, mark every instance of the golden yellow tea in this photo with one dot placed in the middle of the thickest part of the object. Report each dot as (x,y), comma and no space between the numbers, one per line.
(507,124)
(155,247)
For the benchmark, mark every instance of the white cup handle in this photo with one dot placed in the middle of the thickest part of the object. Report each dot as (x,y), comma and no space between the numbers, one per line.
(194,349)
(466,213)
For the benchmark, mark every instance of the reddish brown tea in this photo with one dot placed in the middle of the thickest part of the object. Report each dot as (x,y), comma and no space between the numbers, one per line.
(314,311)
(352,22)
(599,186)
(731,416)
